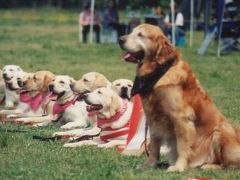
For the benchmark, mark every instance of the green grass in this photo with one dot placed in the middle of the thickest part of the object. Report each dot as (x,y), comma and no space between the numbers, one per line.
(48,39)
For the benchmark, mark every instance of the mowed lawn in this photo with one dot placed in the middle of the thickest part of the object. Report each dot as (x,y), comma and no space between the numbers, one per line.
(47,39)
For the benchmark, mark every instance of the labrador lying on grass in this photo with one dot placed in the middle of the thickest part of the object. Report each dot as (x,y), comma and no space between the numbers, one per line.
(87,83)
(15,83)
(113,115)
(178,110)
(11,97)
(66,109)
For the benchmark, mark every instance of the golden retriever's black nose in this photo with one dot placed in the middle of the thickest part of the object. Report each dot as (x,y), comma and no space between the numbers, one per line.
(122,40)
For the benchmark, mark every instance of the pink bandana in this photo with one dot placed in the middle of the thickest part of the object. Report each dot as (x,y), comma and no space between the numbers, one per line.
(60,108)
(102,121)
(33,102)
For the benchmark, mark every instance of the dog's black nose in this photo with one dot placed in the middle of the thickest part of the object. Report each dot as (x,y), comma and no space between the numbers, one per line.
(72,86)
(122,40)
(4,75)
(24,83)
(51,87)
(20,83)
(124,89)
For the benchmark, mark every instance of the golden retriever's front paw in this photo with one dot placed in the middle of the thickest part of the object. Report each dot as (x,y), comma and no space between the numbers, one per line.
(147,165)
(175,168)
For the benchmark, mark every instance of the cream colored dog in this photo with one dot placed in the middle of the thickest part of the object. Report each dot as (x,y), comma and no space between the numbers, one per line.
(15,83)
(66,109)
(35,89)
(90,81)
(11,97)
(123,88)
(113,115)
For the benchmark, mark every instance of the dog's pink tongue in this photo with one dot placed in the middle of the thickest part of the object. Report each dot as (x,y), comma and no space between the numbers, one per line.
(129,57)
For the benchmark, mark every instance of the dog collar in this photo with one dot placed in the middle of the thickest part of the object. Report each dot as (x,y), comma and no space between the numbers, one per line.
(144,84)
(34,102)
(102,121)
(60,108)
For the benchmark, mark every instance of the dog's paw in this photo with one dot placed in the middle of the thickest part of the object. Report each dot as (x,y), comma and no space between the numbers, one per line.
(9,105)
(175,168)
(60,133)
(66,126)
(71,145)
(103,145)
(12,116)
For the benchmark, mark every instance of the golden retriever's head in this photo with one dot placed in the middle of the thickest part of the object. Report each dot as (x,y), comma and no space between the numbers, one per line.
(104,101)
(123,88)
(13,84)
(39,81)
(61,86)
(147,43)
(89,82)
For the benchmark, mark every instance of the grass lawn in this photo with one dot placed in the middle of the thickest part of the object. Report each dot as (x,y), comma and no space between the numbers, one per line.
(47,39)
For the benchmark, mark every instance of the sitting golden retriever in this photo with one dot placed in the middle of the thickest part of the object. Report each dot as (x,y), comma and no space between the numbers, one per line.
(178,110)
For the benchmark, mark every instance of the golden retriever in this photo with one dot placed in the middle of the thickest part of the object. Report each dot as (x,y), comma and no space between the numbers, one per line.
(178,110)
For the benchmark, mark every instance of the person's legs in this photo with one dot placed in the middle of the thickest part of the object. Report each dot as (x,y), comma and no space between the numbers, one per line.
(85,32)
(96,29)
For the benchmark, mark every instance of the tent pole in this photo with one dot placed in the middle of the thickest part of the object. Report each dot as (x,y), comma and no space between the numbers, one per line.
(173,22)
(92,21)
(191,23)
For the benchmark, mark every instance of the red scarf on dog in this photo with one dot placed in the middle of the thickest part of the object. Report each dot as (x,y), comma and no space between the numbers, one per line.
(60,108)
(34,102)
(109,133)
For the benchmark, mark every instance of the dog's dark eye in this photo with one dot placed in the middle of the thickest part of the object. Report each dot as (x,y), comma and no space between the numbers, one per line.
(11,70)
(118,84)
(85,80)
(129,85)
(99,92)
(62,82)
(140,34)
(34,78)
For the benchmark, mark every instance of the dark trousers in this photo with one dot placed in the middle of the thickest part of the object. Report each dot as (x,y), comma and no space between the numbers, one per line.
(86,29)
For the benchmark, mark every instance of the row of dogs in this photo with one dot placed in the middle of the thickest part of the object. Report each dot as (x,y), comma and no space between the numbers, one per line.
(93,104)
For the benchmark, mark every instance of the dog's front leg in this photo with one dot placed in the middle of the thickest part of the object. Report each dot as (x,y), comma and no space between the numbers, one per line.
(154,152)
(34,120)
(185,133)
(81,143)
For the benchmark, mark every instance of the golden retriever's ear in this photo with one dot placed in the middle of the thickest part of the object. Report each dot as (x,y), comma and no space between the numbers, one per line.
(165,50)
(115,105)
(47,80)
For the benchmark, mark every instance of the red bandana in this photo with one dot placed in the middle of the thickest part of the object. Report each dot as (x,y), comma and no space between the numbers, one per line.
(33,102)
(60,108)
(102,121)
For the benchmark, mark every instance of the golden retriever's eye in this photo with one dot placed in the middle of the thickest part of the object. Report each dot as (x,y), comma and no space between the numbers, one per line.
(34,78)
(129,85)
(61,82)
(118,84)
(85,80)
(99,92)
(11,70)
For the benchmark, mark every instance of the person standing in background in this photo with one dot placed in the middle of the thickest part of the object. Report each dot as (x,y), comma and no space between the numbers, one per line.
(85,22)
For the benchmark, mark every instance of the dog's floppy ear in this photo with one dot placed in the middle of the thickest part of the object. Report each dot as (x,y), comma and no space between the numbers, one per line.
(165,50)
(19,68)
(115,105)
(48,78)
(100,81)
